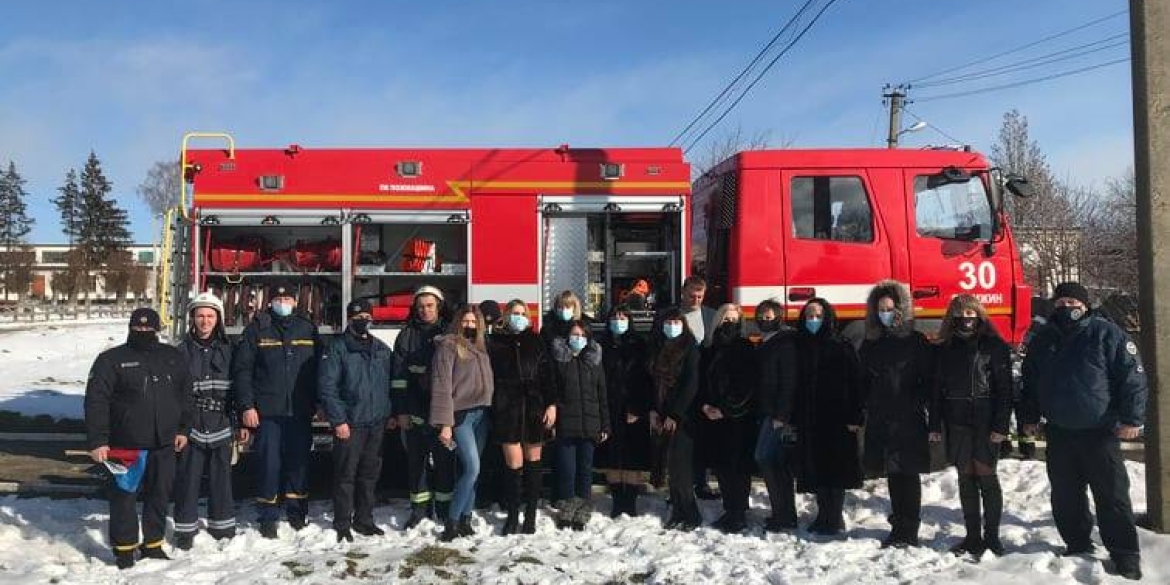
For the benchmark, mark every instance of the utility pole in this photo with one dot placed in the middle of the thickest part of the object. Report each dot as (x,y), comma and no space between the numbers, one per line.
(1150,42)
(895,96)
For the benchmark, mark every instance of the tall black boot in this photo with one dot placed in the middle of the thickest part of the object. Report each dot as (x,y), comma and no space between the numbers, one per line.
(618,493)
(632,498)
(906,509)
(824,502)
(533,480)
(992,512)
(969,501)
(834,515)
(512,485)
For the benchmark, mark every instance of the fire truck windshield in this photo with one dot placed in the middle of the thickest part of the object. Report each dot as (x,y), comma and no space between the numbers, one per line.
(958,210)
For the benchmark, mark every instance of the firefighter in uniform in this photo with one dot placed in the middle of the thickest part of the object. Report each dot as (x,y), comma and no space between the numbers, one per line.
(137,400)
(209,357)
(355,394)
(1083,375)
(411,399)
(274,374)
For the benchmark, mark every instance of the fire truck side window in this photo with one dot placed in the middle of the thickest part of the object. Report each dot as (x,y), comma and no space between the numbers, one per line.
(953,211)
(831,208)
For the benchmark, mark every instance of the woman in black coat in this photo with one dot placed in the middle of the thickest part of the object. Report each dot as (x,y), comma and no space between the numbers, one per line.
(727,411)
(629,388)
(972,403)
(777,371)
(896,365)
(675,368)
(827,413)
(523,410)
(582,421)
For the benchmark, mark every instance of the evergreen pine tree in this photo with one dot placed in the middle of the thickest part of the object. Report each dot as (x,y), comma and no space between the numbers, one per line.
(17,259)
(104,231)
(69,206)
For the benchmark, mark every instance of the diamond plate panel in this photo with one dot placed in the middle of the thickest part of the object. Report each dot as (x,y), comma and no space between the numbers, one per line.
(566,257)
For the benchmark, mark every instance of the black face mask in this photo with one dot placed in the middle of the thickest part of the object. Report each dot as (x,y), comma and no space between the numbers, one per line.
(142,339)
(1066,318)
(360,326)
(727,332)
(965,326)
(768,326)
(469,333)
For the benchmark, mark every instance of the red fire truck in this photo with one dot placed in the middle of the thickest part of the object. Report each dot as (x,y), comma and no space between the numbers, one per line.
(376,223)
(794,224)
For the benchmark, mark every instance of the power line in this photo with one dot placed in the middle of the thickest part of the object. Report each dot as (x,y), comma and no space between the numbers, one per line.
(1050,58)
(1019,83)
(933,127)
(760,76)
(737,78)
(1022,47)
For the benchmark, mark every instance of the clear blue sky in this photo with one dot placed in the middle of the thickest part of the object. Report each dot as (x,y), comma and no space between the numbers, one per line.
(126,79)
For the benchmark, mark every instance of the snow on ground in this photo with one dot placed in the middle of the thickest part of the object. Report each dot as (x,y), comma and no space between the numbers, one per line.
(63,541)
(43,366)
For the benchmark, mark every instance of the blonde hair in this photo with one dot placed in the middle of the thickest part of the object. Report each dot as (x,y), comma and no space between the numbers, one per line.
(956,308)
(566,299)
(462,344)
(720,313)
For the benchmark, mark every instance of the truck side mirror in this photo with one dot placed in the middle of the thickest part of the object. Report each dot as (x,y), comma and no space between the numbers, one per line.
(1019,186)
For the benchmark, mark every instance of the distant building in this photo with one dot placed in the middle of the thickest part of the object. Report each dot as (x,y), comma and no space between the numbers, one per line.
(51,259)
(1051,255)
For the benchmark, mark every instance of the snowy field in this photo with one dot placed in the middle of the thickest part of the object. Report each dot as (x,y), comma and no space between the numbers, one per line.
(44,366)
(63,541)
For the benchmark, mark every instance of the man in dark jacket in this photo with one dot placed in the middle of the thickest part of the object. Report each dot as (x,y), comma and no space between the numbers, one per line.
(355,393)
(275,378)
(1083,375)
(410,391)
(137,412)
(209,357)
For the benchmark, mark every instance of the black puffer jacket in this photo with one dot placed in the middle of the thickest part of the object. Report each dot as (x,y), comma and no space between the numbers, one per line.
(275,367)
(897,364)
(582,407)
(730,373)
(973,384)
(214,400)
(414,350)
(525,385)
(138,398)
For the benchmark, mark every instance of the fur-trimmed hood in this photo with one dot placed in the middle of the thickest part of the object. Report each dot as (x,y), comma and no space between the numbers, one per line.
(562,353)
(903,306)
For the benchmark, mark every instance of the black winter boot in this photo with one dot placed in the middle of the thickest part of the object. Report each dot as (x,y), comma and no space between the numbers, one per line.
(418,513)
(124,559)
(617,492)
(532,484)
(969,501)
(450,531)
(513,480)
(992,512)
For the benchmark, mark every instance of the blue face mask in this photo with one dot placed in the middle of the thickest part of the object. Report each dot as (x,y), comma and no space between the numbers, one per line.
(813,325)
(886,317)
(517,323)
(672,330)
(566,314)
(282,309)
(619,326)
(577,343)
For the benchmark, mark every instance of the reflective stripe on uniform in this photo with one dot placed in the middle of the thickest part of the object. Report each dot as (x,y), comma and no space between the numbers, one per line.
(125,547)
(443,496)
(273,500)
(292,496)
(420,497)
(155,544)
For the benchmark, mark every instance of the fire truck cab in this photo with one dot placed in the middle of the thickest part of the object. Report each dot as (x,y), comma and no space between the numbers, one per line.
(375,223)
(797,224)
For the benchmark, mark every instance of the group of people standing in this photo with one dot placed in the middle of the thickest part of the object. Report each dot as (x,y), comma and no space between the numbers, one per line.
(704,388)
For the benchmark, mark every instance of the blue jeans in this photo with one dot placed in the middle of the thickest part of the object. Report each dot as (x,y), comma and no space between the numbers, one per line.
(470,434)
(574,468)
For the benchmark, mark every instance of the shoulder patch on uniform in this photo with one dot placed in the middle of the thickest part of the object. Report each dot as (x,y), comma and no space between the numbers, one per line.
(1141,369)
(1131,347)
(129,365)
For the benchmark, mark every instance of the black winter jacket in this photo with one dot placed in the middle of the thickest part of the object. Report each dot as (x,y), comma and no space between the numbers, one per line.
(628,385)
(777,369)
(731,373)
(414,350)
(525,384)
(275,367)
(214,398)
(1088,378)
(828,402)
(675,370)
(972,384)
(354,380)
(896,369)
(138,398)
(582,406)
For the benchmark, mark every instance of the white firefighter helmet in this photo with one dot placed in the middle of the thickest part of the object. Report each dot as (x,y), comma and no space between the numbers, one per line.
(206,299)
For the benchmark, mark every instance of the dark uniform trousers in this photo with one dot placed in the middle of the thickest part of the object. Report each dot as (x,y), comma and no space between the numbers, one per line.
(357,462)
(221,510)
(283,445)
(156,489)
(1090,458)
(429,465)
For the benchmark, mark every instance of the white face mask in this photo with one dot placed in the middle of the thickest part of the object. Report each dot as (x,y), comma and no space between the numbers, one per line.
(887,318)
(282,309)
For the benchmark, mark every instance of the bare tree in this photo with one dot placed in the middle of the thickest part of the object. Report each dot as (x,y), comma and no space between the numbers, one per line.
(733,141)
(1110,255)
(160,188)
